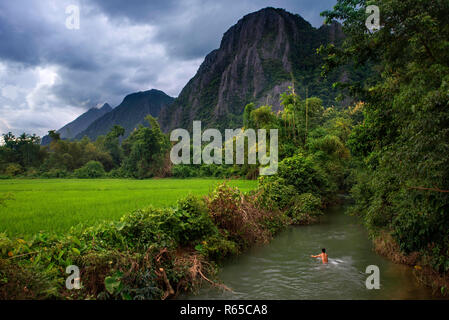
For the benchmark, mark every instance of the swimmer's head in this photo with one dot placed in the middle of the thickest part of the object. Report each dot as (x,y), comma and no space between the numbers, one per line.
(323,250)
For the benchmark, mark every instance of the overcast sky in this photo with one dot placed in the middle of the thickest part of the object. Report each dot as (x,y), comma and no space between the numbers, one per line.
(50,74)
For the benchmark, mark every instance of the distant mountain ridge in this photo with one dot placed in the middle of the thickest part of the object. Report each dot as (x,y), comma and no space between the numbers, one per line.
(258,58)
(128,114)
(70,130)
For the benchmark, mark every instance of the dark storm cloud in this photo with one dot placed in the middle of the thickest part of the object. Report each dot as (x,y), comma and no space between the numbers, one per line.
(50,74)
(139,11)
(19,35)
(192,28)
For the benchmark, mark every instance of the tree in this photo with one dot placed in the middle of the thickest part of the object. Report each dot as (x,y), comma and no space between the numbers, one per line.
(300,116)
(404,139)
(111,144)
(55,136)
(24,151)
(145,151)
(263,118)
(247,123)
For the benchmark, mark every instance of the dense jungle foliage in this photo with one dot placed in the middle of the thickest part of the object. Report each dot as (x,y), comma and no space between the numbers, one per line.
(401,167)
(141,155)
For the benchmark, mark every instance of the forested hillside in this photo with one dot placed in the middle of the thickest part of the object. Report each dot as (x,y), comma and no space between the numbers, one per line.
(400,150)
(257,61)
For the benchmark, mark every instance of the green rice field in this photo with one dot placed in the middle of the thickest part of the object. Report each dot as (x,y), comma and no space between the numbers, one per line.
(55,205)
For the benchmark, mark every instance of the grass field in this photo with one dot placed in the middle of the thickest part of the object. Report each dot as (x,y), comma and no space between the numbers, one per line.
(57,204)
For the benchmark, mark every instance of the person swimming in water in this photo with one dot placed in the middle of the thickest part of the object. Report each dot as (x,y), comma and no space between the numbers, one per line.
(322,255)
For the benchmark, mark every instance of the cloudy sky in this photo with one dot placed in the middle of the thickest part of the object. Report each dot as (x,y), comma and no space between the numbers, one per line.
(50,72)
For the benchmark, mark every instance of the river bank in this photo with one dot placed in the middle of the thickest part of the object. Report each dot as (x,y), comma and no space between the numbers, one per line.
(283,269)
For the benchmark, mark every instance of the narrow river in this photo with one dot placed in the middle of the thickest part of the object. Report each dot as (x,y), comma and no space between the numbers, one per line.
(284,269)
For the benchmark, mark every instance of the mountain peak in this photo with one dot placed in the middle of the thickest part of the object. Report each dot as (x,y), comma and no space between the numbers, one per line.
(144,94)
(129,114)
(70,130)
(254,26)
(106,107)
(272,12)
(257,60)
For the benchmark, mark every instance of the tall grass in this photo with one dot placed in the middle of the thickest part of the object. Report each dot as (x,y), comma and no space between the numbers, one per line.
(55,205)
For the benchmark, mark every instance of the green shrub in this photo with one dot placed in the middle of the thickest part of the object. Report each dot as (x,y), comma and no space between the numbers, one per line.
(217,247)
(187,222)
(27,282)
(55,173)
(306,209)
(204,170)
(240,215)
(182,171)
(331,146)
(32,172)
(301,172)
(144,228)
(13,169)
(276,222)
(115,173)
(275,194)
(92,169)
(194,218)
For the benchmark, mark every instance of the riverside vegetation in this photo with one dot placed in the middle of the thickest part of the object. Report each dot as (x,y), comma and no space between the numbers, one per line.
(156,253)
(400,166)
(389,150)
